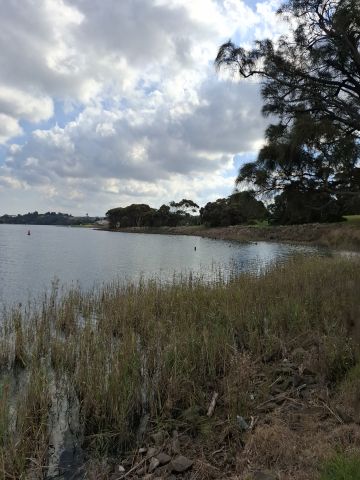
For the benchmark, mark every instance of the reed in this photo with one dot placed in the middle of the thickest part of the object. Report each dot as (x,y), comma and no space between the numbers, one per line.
(160,350)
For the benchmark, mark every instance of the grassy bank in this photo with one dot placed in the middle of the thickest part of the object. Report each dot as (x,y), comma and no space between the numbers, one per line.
(281,352)
(342,236)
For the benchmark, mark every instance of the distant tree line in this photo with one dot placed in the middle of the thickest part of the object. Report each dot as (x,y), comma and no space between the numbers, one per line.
(184,212)
(48,218)
(238,208)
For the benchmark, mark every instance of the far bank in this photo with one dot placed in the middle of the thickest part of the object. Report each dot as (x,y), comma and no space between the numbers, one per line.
(344,235)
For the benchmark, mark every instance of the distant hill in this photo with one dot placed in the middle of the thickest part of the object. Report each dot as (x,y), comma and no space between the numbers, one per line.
(48,218)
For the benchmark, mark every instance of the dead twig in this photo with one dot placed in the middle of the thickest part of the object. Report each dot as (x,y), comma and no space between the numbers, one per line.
(212,404)
(135,467)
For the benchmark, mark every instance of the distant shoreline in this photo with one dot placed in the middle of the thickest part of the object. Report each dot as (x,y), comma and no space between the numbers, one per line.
(331,235)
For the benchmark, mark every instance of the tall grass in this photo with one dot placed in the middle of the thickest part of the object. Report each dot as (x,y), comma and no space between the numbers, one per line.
(342,467)
(159,350)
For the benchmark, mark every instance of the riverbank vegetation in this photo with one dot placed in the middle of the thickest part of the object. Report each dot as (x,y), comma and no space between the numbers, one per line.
(339,236)
(95,374)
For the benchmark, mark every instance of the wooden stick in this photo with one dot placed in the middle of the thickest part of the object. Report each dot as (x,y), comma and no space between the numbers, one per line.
(212,404)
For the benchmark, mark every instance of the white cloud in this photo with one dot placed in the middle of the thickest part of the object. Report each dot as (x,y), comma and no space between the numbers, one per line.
(9,127)
(140,113)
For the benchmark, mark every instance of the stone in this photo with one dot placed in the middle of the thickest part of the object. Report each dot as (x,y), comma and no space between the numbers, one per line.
(180,464)
(158,437)
(242,423)
(163,458)
(154,463)
(151,452)
(175,446)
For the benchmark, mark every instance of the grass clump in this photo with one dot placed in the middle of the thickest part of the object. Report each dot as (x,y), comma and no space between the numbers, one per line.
(342,467)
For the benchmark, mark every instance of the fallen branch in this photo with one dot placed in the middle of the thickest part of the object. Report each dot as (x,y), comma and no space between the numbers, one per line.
(135,467)
(212,404)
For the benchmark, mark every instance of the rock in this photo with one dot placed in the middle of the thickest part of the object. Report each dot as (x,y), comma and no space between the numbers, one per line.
(158,437)
(244,426)
(264,475)
(180,464)
(154,463)
(163,471)
(151,452)
(175,446)
(163,458)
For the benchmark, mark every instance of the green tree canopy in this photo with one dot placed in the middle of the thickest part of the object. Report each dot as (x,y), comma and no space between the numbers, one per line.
(314,69)
(313,155)
(240,207)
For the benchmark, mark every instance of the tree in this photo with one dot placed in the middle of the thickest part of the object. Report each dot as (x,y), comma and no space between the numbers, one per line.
(315,156)
(311,164)
(315,69)
(134,215)
(240,207)
(184,211)
(296,206)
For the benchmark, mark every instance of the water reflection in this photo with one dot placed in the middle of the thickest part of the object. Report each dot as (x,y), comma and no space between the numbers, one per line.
(28,264)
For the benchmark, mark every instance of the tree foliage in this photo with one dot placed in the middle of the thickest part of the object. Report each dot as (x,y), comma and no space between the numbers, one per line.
(312,165)
(311,82)
(314,69)
(238,208)
(142,215)
(312,155)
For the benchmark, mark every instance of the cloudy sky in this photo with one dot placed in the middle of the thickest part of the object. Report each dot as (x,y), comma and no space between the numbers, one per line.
(109,102)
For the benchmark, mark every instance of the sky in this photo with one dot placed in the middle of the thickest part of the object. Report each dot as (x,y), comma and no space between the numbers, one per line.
(104,103)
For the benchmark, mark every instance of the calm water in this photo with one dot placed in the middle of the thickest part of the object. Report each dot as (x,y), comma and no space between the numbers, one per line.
(28,264)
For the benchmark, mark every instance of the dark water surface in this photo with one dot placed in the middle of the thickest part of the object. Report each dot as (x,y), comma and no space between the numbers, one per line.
(28,264)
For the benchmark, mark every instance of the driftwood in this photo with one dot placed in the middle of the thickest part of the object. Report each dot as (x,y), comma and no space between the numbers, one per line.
(212,404)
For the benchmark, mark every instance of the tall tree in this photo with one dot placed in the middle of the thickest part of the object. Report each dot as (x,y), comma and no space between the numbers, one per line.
(312,155)
(314,69)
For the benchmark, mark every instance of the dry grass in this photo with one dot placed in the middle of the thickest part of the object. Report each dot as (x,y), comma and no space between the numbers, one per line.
(161,350)
(342,236)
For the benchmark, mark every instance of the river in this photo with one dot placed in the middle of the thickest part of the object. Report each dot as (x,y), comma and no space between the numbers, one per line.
(85,257)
